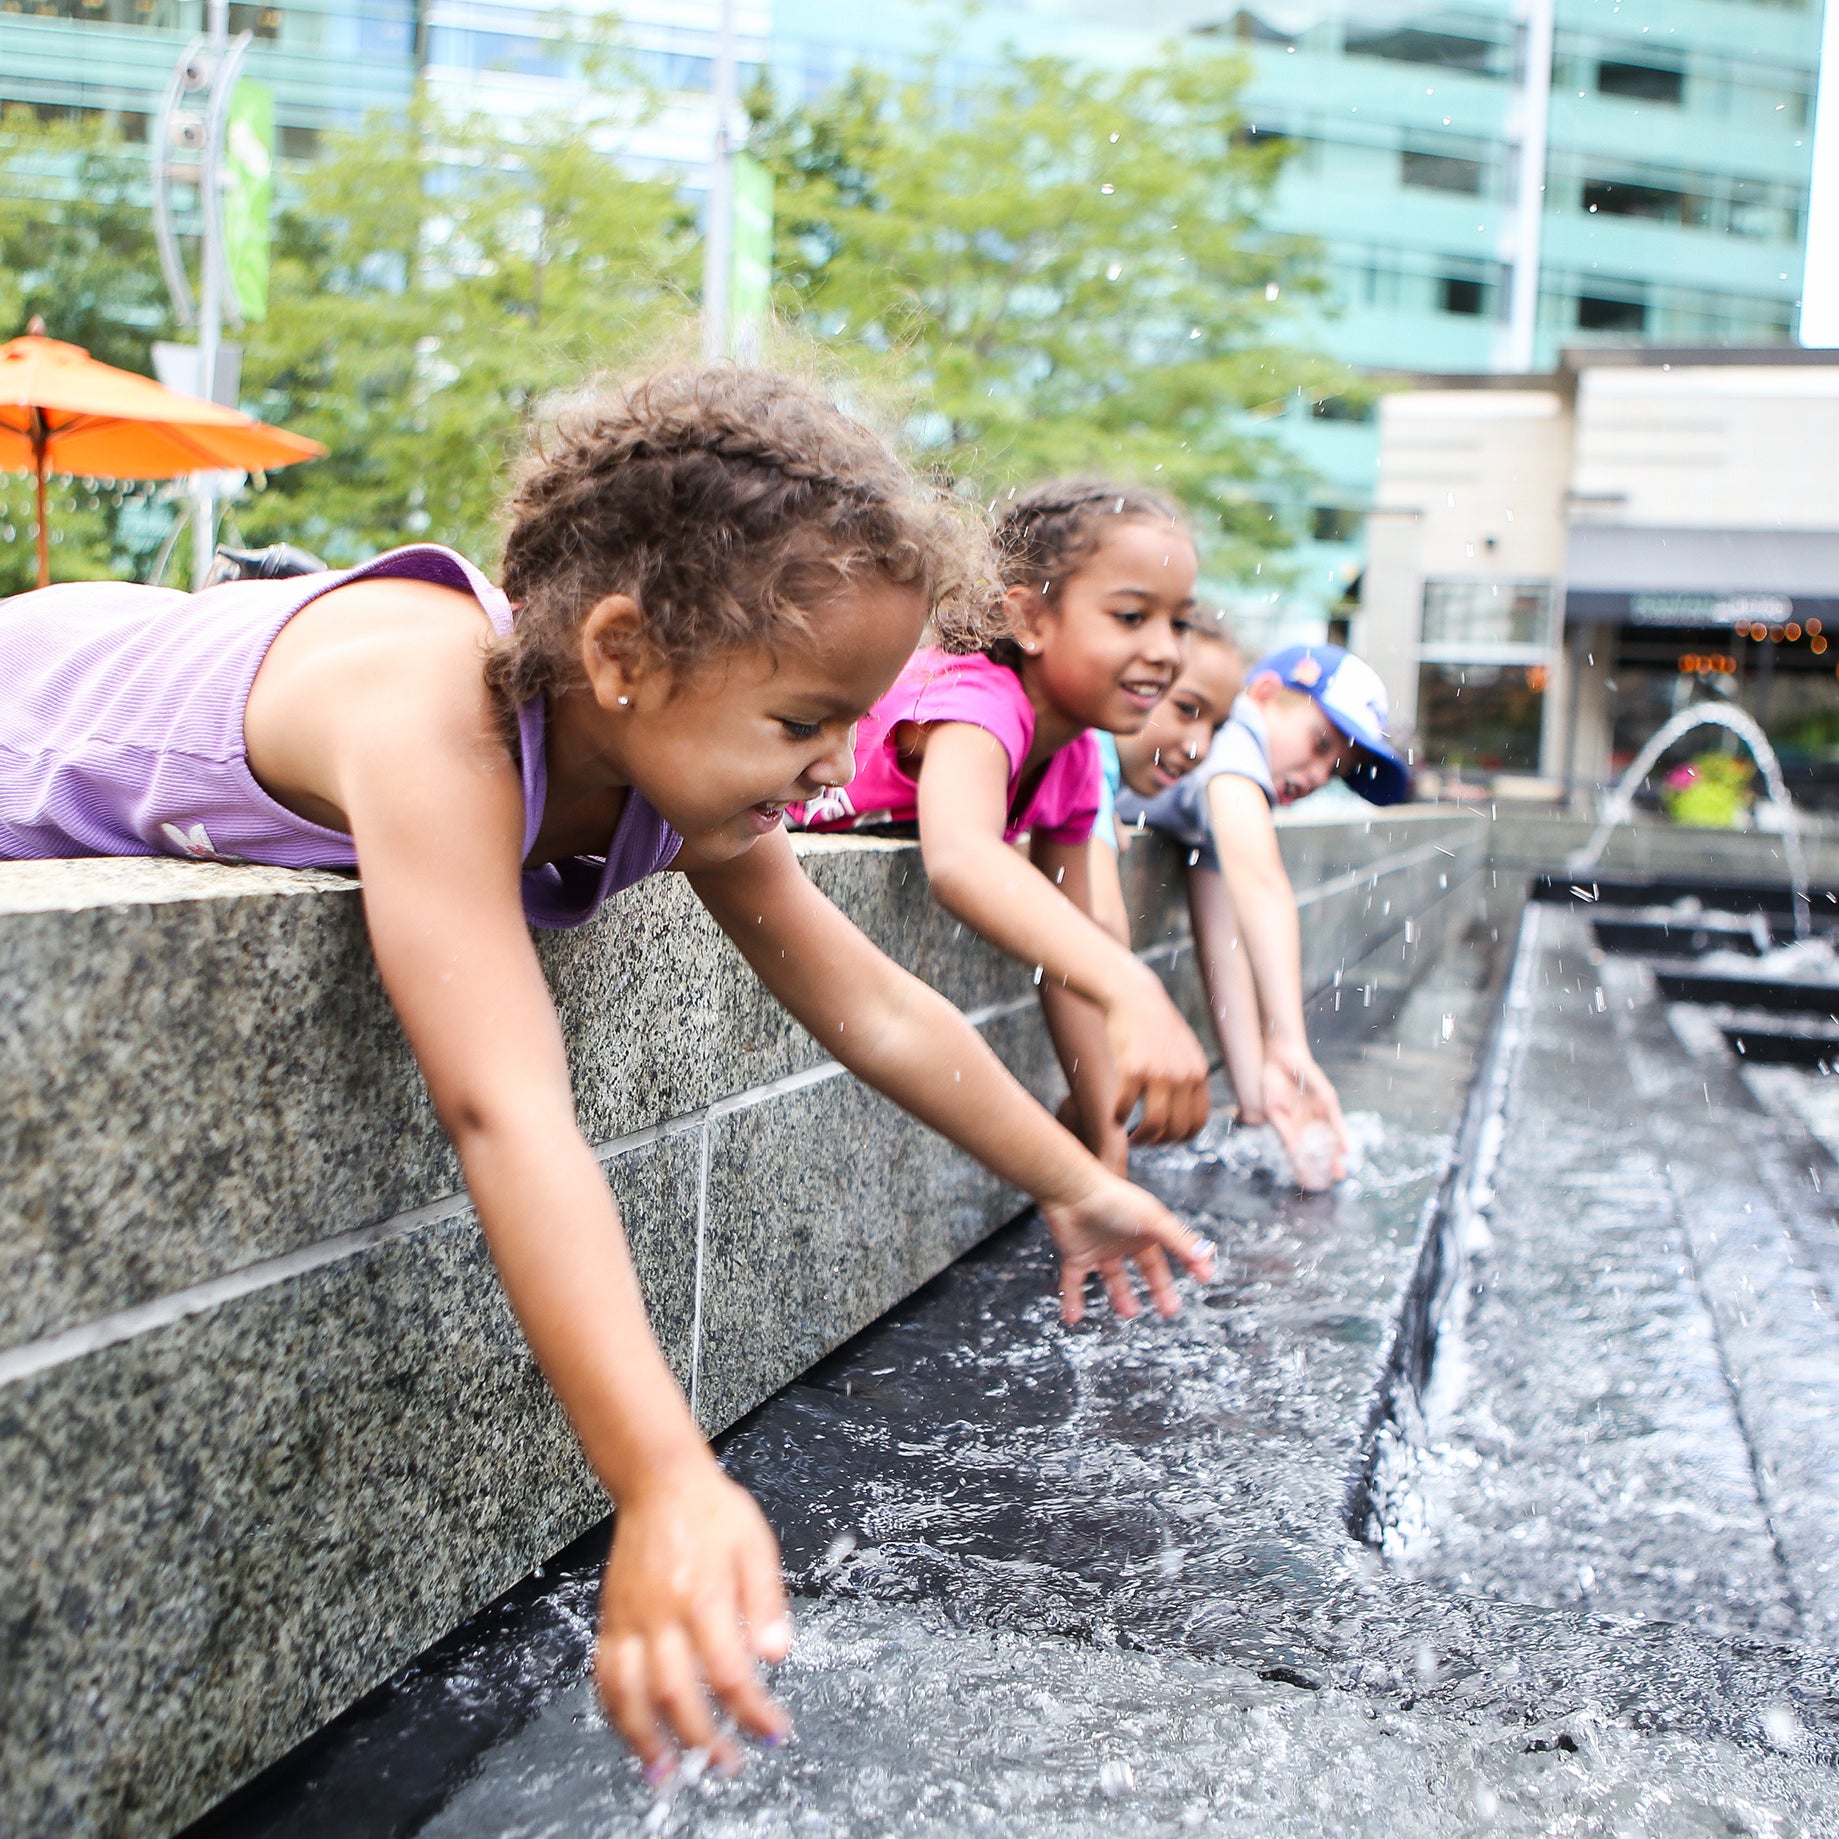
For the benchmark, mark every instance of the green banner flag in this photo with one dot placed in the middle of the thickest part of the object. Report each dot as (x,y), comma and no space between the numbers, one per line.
(751,289)
(249,195)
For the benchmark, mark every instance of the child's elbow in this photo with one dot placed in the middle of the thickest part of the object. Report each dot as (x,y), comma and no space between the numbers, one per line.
(952,871)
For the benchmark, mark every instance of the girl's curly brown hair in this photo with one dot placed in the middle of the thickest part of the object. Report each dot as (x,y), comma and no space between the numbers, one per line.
(728,503)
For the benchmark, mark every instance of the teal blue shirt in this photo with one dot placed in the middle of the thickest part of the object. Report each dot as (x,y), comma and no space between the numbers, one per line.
(1111,777)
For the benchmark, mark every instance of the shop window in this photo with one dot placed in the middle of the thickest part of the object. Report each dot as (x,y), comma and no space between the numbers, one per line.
(1597,314)
(1439,172)
(1643,82)
(1457,294)
(1481,716)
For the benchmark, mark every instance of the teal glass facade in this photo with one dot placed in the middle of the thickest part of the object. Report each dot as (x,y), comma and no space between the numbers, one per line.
(329,62)
(1676,177)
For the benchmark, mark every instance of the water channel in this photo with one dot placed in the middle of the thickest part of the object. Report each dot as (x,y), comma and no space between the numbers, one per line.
(1496,1490)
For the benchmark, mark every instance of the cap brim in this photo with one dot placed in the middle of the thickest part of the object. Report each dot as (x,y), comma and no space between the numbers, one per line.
(1378,775)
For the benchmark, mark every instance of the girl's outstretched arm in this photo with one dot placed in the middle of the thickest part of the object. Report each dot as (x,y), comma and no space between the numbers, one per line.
(963,782)
(1226,968)
(908,1042)
(1077,1026)
(692,1592)
(1297,1093)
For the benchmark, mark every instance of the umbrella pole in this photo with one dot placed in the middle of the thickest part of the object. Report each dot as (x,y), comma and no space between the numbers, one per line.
(44,538)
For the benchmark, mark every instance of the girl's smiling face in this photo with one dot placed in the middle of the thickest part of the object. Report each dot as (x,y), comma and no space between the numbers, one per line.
(1101,648)
(719,751)
(1180,727)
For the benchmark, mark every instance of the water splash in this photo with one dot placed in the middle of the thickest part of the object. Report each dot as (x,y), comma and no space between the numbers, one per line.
(1708,715)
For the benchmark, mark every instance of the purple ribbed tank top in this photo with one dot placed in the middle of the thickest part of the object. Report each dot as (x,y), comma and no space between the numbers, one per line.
(121,733)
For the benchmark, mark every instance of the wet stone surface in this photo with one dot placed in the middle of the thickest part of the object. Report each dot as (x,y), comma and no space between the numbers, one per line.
(1102,1579)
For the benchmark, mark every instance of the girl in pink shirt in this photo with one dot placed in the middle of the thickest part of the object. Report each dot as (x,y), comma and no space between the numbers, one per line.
(984,749)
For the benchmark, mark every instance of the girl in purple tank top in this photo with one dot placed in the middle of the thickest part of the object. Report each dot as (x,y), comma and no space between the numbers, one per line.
(709,579)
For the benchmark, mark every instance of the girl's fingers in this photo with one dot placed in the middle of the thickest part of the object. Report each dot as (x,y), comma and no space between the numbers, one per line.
(1151,1125)
(1153,1262)
(677,1691)
(762,1593)
(1072,1291)
(727,1665)
(1120,1289)
(624,1690)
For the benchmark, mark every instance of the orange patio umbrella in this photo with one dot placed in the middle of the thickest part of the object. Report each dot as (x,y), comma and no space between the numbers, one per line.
(61,410)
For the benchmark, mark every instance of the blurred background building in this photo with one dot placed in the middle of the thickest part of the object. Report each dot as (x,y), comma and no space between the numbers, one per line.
(1559,563)
(1553,190)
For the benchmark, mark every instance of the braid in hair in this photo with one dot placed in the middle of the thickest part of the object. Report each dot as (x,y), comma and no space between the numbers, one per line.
(727,503)
(1046,533)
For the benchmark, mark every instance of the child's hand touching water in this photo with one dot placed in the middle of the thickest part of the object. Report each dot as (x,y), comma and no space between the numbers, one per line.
(691,1604)
(1116,1224)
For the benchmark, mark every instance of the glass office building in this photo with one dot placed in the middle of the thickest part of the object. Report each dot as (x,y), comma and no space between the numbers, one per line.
(329,62)
(1678,145)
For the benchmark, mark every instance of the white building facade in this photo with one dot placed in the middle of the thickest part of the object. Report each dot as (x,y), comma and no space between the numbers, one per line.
(1557,565)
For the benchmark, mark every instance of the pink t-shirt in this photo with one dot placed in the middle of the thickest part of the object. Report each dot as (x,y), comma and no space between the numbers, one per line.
(937,687)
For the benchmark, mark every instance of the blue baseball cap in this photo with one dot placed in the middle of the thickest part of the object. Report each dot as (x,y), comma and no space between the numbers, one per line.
(1349,692)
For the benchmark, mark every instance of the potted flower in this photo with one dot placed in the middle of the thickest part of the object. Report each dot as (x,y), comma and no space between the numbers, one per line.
(1712,792)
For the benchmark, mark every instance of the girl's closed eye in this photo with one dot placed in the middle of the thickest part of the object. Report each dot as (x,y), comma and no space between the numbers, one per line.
(800,731)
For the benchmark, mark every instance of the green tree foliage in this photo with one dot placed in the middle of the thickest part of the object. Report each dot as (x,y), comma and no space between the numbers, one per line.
(1068,269)
(436,285)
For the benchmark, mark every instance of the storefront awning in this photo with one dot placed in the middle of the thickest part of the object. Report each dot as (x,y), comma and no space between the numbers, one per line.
(1618,574)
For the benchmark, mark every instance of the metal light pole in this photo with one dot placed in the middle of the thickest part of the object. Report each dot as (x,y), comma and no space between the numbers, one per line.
(188,148)
(1529,205)
(718,232)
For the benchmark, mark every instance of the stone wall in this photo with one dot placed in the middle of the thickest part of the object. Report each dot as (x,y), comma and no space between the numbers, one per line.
(267,1427)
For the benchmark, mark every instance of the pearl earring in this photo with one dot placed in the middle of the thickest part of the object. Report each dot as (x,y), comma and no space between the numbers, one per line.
(624,700)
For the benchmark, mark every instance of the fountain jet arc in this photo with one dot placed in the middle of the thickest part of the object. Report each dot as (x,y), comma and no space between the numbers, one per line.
(1619,807)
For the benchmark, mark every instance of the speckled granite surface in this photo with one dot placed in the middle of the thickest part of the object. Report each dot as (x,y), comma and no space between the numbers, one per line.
(232,1519)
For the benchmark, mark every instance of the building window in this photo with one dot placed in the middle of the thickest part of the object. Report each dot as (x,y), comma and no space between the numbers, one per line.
(1410,45)
(1439,172)
(1483,716)
(1463,614)
(1643,82)
(1334,523)
(257,21)
(1343,408)
(296,143)
(163,14)
(1457,294)
(1597,314)
(1651,201)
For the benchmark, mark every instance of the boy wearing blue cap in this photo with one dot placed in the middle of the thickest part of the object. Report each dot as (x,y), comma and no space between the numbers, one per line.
(1307,714)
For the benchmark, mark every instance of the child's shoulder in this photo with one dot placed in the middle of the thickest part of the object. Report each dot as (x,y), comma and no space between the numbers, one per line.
(942,685)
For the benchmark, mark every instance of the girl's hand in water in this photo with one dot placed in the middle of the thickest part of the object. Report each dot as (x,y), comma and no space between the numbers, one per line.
(1301,1103)
(1158,1061)
(691,1604)
(1118,1223)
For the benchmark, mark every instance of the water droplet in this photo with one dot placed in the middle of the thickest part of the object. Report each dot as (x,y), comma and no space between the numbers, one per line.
(1115,1777)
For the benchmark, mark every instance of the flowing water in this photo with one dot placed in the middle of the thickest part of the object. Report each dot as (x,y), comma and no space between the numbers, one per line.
(1108,1579)
(1619,807)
